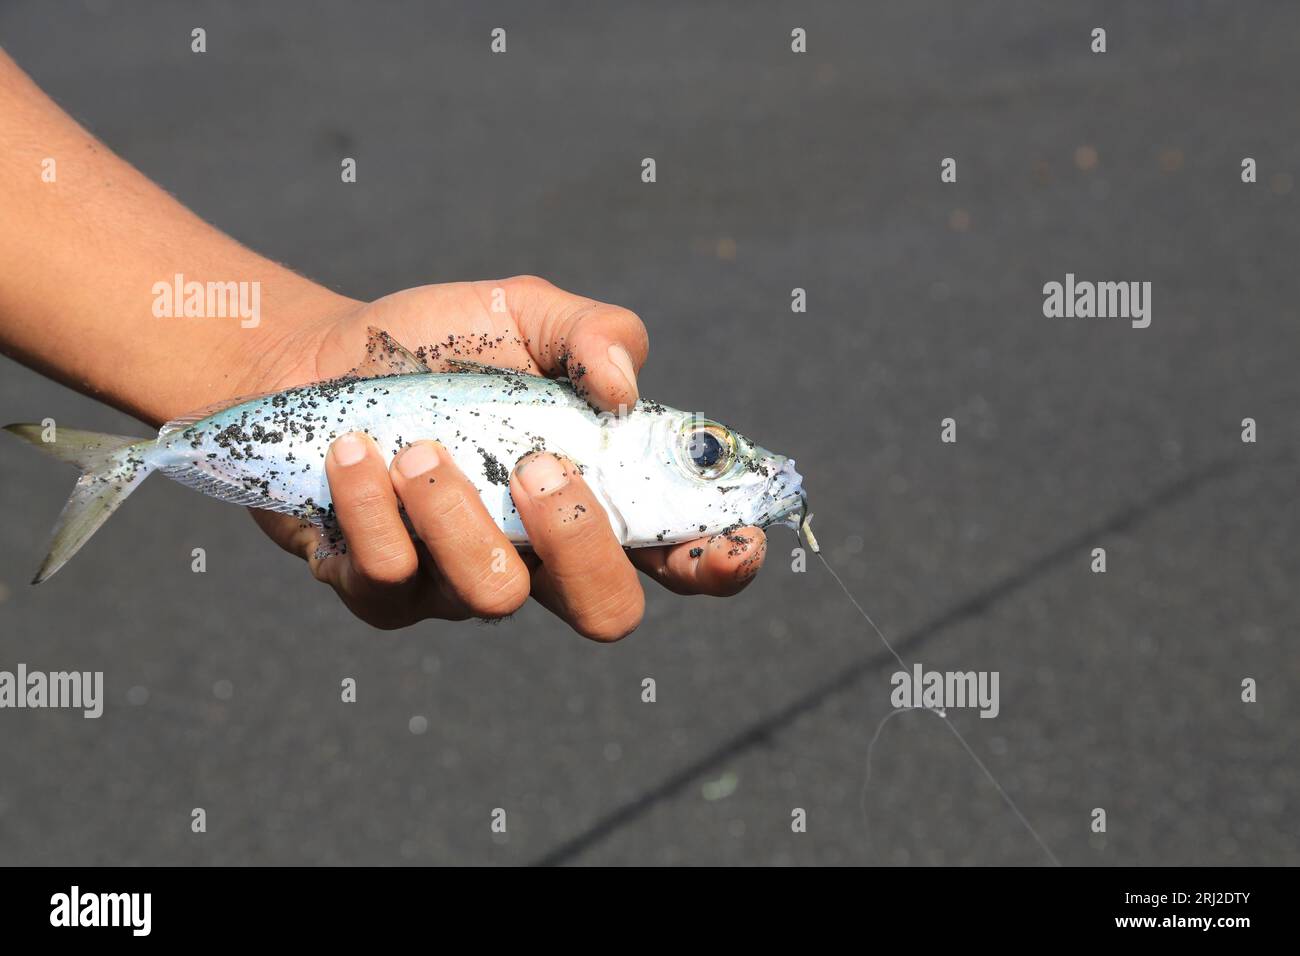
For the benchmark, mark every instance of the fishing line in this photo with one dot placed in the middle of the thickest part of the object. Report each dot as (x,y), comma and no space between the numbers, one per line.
(941,714)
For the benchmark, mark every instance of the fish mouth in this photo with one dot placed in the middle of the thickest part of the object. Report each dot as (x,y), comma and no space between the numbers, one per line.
(789,502)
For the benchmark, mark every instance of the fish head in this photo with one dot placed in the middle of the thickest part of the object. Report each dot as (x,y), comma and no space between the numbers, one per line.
(697,477)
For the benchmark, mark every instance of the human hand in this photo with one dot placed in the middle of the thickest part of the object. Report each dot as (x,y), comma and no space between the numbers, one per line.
(462,565)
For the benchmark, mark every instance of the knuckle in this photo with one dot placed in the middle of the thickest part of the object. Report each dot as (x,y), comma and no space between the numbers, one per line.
(579,528)
(613,616)
(367,501)
(446,515)
(499,594)
(590,333)
(447,507)
(529,282)
(628,317)
(382,622)
(387,564)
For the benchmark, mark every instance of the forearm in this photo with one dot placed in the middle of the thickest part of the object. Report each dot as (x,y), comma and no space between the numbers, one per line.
(85,248)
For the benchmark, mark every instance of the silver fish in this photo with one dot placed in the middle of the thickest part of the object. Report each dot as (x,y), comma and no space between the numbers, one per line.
(662,476)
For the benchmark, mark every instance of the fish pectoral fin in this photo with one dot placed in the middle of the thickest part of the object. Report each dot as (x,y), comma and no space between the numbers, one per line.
(386,356)
(596,482)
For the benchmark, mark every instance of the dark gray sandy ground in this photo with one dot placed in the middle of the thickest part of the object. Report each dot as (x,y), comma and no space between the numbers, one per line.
(1119,691)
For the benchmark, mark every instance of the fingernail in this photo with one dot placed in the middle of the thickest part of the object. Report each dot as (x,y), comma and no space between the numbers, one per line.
(542,474)
(348,449)
(416,460)
(623,362)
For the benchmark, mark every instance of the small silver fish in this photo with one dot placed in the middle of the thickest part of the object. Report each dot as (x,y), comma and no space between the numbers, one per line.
(663,476)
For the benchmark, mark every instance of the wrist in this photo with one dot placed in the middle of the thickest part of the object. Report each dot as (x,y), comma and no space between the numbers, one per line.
(278,352)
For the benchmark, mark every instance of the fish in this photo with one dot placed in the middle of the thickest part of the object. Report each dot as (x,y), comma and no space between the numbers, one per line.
(662,476)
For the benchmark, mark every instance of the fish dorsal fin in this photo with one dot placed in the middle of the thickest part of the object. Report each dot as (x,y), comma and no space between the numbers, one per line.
(479,368)
(386,356)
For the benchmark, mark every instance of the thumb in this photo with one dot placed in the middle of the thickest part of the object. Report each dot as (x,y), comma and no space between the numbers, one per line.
(600,347)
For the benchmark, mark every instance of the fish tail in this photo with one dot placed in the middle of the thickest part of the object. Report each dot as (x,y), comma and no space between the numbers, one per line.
(111,468)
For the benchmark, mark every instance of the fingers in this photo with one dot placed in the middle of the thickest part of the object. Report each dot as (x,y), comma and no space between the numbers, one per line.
(578,568)
(599,347)
(721,565)
(475,560)
(381,556)
(584,576)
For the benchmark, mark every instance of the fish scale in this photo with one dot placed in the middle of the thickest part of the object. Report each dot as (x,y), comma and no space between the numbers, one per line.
(269,452)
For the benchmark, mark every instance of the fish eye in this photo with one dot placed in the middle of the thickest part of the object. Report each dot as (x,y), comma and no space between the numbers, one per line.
(708,449)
